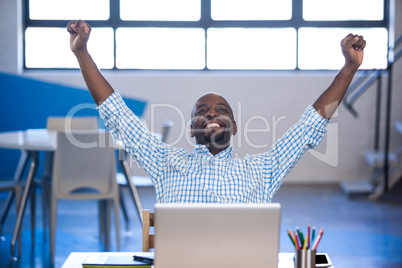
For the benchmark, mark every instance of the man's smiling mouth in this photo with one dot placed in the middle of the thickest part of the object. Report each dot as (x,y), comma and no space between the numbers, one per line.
(212,125)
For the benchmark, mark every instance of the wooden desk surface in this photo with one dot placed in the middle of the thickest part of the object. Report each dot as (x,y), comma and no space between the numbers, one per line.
(75,259)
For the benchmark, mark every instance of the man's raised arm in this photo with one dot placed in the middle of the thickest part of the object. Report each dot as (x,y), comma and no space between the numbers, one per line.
(96,83)
(352,49)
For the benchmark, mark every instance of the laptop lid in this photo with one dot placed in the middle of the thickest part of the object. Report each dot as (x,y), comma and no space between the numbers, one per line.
(216,235)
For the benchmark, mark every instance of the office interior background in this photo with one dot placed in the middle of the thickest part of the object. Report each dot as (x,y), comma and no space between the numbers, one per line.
(265,102)
(269,101)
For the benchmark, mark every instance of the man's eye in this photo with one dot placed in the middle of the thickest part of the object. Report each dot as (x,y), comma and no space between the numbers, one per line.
(202,111)
(222,111)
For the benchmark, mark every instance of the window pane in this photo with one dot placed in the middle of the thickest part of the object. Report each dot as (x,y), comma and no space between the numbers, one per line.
(343,9)
(164,10)
(50,48)
(251,48)
(69,10)
(160,48)
(251,9)
(314,55)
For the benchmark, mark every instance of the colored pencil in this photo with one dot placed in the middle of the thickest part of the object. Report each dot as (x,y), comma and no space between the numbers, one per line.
(301,237)
(317,239)
(313,235)
(292,238)
(297,241)
(305,242)
(308,235)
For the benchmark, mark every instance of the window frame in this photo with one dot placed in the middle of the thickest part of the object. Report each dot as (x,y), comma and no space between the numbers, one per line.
(206,22)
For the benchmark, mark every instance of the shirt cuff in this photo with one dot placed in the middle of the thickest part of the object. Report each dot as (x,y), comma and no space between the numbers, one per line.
(111,105)
(313,119)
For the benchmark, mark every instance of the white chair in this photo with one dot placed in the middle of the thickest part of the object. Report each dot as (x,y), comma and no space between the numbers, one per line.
(137,181)
(85,160)
(60,123)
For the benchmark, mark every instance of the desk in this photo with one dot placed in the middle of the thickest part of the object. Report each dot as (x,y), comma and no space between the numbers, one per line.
(33,141)
(75,259)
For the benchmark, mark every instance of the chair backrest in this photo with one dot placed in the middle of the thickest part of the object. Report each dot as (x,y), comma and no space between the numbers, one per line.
(61,123)
(166,127)
(147,236)
(84,160)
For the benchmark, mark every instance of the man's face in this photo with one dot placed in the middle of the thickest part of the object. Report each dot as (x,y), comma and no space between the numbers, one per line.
(212,121)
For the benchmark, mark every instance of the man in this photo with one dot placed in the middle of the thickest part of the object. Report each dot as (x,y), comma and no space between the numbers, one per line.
(210,173)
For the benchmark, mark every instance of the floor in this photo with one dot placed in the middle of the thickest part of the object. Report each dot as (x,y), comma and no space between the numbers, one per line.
(358,232)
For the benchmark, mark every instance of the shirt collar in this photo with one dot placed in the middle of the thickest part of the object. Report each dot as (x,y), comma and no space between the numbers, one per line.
(201,149)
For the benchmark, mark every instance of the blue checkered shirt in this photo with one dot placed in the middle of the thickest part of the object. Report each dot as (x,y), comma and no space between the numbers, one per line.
(182,176)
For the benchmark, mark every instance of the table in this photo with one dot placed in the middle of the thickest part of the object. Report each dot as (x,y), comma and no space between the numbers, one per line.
(75,259)
(33,141)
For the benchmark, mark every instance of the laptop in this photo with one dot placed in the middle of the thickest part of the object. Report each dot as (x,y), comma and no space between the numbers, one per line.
(216,235)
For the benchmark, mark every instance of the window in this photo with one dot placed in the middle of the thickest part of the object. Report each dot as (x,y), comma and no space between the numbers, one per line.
(251,48)
(251,10)
(160,10)
(338,10)
(206,34)
(65,10)
(160,48)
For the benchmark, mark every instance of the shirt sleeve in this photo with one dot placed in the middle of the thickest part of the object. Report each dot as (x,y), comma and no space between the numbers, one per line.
(126,127)
(307,133)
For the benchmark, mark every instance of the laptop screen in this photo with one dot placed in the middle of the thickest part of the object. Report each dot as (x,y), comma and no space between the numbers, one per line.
(216,235)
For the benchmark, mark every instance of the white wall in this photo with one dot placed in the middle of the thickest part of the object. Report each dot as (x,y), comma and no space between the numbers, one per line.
(278,98)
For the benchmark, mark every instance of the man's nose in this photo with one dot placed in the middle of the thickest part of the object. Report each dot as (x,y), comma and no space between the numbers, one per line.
(211,113)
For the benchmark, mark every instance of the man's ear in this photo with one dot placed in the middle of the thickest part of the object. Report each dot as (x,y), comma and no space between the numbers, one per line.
(234,131)
(191,131)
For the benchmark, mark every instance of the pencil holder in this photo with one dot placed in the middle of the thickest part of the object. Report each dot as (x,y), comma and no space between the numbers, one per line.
(305,258)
